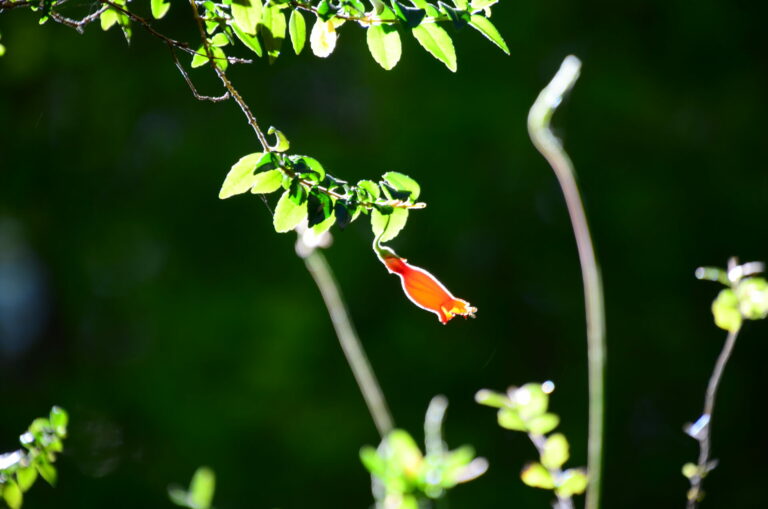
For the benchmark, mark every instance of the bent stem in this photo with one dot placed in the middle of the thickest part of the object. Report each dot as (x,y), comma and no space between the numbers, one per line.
(550,147)
(704,435)
(321,272)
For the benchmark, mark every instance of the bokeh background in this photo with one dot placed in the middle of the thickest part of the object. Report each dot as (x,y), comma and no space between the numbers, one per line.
(180,330)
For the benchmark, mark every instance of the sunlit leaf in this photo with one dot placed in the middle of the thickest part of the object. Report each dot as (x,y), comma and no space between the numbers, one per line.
(536,476)
(725,309)
(437,42)
(543,424)
(485,27)
(202,488)
(12,494)
(297,27)
(267,182)
(322,40)
(384,45)
(509,419)
(250,41)
(403,182)
(240,178)
(272,30)
(556,451)
(573,482)
(160,8)
(288,214)
(388,225)
(247,14)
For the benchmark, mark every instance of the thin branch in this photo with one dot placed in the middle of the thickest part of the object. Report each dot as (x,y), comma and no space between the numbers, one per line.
(350,343)
(228,84)
(78,25)
(704,434)
(183,72)
(550,147)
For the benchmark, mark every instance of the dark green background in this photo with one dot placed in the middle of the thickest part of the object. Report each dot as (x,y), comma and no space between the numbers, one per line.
(181,330)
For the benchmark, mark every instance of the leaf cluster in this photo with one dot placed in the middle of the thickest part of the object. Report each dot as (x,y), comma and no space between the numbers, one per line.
(312,194)
(525,409)
(745,298)
(40,445)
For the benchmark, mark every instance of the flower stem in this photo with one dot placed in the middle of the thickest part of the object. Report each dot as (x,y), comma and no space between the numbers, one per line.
(709,406)
(550,147)
(321,272)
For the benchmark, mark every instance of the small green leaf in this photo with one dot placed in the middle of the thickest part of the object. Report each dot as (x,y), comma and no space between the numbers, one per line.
(343,214)
(324,225)
(725,309)
(219,39)
(411,16)
(267,182)
(47,472)
(372,461)
(436,41)
(510,419)
(288,214)
(200,57)
(324,10)
(370,190)
(485,27)
(250,41)
(220,58)
(403,182)
(12,494)
(246,14)
(160,8)
(690,470)
(272,30)
(107,19)
(322,40)
(240,178)
(281,144)
(482,4)
(388,225)
(201,488)
(319,208)
(26,477)
(531,400)
(311,165)
(404,453)
(556,451)
(491,398)
(59,420)
(384,45)
(543,424)
(2,50)
(178,496)
(297,27)
(536,476)
(753,298)
(573,482)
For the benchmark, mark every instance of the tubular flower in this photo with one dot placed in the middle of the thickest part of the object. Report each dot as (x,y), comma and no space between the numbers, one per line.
(423,289)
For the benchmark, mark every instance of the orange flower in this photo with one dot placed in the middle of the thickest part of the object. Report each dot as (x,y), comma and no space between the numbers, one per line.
(423,289)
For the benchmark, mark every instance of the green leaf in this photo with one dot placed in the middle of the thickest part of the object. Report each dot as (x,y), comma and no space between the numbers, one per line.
(384,45)
(202,487)
(556,452)
(178,496)
(531,400)
(47,472)
(690,470)
(311,165)
(324,225)
(404,454)
(485,27)
(2,50)
(437,42)
(543,424)
(297,27)
(491,398)
(536,476)
(219,39)
(160,8)
(272,30)
(403,182)
(281,144)
(573,482)
(370,190)
(462,5)
(220,58)
(753,298)
(250,41)
(725,309)
(510,419)
(319,208)
(12,494)
(388,225)
(343,214)
(26,477)
(459,17)
(107,19)
(267,182)
(324,10)
(59,420)
(322,40)
(482,4)
(411,16)
(246,14)
(240,178)
(372,461)
(200,57)
(288,214)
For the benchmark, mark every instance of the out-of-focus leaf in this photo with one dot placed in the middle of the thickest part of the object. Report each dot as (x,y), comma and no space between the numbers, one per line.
(202,488)
(726,311)
(536,476)
(160,8)
(556,452)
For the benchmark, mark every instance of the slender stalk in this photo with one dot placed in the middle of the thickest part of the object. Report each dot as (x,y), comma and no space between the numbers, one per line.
(321,272)
(704,436)
(550,147)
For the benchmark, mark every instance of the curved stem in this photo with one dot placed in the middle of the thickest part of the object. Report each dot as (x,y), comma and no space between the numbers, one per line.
(350,343)
(550,147)
(709,407)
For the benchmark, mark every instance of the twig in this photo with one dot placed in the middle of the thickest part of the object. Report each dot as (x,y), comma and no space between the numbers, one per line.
(703,435)
(350,343)
(78,25)
(550,147)
(197,95)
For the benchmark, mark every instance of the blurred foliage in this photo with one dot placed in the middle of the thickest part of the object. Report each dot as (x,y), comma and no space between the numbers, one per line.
(525,409)
(200,493)
(40,445)
(181,329)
